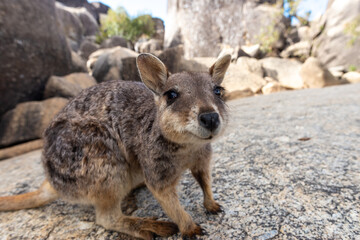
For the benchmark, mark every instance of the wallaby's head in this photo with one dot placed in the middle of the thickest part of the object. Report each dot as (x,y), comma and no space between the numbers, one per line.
(190,105)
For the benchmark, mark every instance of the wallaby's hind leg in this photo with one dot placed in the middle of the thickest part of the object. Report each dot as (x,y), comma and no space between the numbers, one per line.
(111,217)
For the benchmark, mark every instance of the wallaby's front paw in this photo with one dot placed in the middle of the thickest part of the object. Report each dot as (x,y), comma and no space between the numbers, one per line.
(213,207)
(196,231)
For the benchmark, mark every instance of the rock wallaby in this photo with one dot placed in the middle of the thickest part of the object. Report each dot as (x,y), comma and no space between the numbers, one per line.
(118,135)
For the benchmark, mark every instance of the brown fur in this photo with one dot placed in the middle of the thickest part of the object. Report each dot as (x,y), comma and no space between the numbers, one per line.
(117,135)
(45,194)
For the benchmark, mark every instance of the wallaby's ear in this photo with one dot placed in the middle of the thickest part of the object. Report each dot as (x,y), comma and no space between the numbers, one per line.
(218,70)
(152,71)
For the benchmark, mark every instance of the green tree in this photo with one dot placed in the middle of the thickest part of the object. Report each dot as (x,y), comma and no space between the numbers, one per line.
(119,23)
(270,34)
(267,38)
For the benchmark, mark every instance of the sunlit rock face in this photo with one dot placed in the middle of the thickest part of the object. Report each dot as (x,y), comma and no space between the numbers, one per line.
(32,48)
(334,47)
(204,26)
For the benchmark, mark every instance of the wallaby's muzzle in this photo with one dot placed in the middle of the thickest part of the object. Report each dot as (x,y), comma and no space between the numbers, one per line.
(210,121)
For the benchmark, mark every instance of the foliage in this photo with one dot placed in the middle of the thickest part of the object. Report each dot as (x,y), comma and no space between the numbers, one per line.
(353,29)
(269,35)
(118,23)
(267,38)
(352,68)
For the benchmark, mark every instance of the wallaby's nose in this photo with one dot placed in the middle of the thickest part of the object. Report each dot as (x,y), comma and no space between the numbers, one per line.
(209,121)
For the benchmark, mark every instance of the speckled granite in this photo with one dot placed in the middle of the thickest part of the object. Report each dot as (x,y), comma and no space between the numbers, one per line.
(289,168)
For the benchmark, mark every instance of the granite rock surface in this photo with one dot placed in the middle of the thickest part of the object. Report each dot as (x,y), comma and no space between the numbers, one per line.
(203,26)
(33,47)
(287,168)
(336,45)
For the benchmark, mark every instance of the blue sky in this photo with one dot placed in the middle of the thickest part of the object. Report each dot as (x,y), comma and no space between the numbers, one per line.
(317,7)
(158,8)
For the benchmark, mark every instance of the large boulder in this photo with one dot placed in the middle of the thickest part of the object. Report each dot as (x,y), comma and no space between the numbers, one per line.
(286,71)
(78,63)
(235,53)
(251,50)
(115,41)
(292,35)
(252,65)
(352,77)
(68,86)
(305,33)
(86,48)
(95,8)
(28,120)
(33,47)
(202,26)
(148,46)
(236,79)
(159,29)
(272,87)
(94,57)
(334,47)
(88,22)
(175,62)
(315,75)
(300,50)
(70,24)
(114,64)
(337,71)
(172,58)
(77,23)
(99,9)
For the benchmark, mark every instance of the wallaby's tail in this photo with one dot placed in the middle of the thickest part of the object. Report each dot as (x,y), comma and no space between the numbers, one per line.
(45,194)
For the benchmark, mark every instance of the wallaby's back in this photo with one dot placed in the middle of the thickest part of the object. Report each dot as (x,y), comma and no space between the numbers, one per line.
(102,127)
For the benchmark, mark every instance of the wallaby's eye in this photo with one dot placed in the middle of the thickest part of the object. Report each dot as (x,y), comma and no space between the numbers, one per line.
(218,90)
(171,95)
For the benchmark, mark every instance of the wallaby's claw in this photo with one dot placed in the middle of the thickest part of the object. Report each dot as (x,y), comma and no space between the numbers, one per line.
(197,231)
(215,208)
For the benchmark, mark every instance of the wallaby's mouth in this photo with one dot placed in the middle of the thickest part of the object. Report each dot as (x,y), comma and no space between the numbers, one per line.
(204,134)
(205,129)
